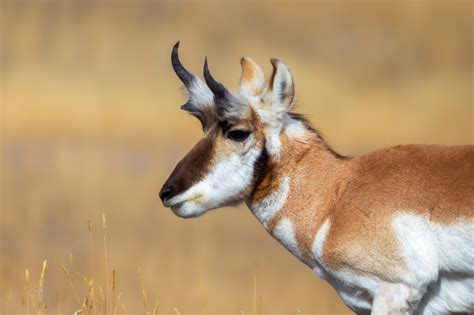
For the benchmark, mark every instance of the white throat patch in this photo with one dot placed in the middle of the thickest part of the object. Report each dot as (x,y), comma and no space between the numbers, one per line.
(284,232)
(266,209)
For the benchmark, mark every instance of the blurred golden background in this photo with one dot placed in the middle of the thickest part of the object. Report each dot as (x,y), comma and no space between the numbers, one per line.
(91,124)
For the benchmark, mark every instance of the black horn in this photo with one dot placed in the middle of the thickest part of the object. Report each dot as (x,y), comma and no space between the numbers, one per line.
(217,88)
(185,76)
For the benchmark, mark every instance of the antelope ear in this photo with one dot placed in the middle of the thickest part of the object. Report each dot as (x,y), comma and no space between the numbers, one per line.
(282,88)
(252,80)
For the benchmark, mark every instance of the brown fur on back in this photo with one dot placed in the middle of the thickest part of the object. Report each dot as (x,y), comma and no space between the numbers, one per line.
(433,180)
(360,195)
(429,180)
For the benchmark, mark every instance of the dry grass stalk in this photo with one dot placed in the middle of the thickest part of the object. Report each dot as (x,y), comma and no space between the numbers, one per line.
(27,285)
(82,276)
(41,303)
(112,297)
(59,303)
(10,298)
(7,301)
(117,303)
(113,280)
(78,300)
(90,283)
(89,227)
(85,305)
(104,227)
(90,292)
(155,309)
(145,299)
(4,305)
(101,298)
(144,294)
(254,295)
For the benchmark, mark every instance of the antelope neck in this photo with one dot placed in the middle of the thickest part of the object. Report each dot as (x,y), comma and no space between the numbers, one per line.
(285,190)
(294,197)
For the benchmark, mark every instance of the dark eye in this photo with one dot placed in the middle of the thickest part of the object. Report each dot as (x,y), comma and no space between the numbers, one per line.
(238,135)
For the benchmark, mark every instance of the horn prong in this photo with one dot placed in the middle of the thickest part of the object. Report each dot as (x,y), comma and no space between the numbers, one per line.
(217,88)
(184,75)
(188,106)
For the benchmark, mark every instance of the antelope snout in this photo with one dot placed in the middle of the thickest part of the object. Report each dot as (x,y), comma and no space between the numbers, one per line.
(167,192)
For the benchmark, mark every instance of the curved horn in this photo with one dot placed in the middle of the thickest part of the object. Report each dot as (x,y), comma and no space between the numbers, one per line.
(185,76)
(217,88)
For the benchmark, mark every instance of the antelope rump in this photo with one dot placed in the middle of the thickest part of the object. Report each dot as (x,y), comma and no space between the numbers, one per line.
(392,230)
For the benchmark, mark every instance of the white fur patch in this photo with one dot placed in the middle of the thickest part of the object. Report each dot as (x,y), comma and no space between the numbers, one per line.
(440,261)
(439,277)
(318,244)
(273,132)
(266,209)
(295,129)
(418,248)
(285,234)
(200,95)
(429,248)
(449,295)
(227,179)
(391,298)
(273,143)
(355,290)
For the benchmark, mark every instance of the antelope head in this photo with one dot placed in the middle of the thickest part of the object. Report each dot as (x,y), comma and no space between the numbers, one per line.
(241,134)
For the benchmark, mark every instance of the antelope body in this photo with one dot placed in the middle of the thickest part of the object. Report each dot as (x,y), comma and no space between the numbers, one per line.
(392,231)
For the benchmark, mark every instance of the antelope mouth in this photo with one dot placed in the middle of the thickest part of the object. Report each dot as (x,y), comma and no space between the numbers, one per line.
(177,206)
(170,203)
(186,208)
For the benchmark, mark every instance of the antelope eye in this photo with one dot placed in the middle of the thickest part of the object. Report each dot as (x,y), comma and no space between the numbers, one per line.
(238,135)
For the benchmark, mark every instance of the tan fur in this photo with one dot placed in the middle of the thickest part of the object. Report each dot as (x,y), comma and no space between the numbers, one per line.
(306,207)
(433,181)
(252,79)
(248,71)
(359,196)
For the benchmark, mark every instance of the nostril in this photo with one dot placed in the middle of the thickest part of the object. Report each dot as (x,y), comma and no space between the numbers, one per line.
(165,193)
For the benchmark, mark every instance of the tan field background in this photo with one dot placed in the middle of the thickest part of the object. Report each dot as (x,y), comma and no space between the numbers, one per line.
(90,124)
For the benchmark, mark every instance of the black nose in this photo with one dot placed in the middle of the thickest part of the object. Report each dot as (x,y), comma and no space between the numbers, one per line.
(165,192)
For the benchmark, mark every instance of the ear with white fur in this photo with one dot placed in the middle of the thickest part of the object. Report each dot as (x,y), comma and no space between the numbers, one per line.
(252,80)
(282,88)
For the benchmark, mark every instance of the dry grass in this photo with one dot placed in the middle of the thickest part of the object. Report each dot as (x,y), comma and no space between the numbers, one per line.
(90,297)
(90,124)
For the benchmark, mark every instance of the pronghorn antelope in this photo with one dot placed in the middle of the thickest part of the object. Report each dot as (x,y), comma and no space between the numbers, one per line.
(392,231)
